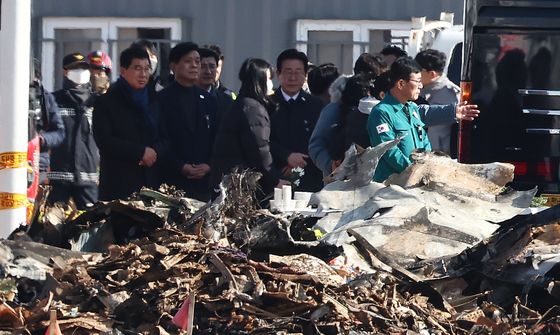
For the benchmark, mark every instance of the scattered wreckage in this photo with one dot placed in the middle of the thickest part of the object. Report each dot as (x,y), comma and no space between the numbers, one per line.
(438,249)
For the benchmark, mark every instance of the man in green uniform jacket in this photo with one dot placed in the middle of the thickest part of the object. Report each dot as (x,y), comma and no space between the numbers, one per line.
(396,116)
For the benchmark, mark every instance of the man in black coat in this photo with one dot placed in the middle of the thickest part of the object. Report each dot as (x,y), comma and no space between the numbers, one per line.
(73,163)
(191,120)
(208,66)
(128,130)
(218,84)
(293,122)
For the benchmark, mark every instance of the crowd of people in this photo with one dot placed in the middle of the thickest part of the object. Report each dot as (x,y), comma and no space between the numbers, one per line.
(105,141)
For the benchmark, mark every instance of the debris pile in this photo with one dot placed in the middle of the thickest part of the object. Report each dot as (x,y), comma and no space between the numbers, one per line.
(420,254)
(140,286)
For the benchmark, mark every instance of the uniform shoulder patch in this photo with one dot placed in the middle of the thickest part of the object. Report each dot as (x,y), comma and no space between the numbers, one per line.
(382,128)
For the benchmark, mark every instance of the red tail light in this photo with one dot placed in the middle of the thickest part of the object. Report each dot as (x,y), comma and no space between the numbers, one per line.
(521,168)
(544,169)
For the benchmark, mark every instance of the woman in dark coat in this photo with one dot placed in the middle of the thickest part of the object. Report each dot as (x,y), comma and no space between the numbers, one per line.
(352,125)
(243,139)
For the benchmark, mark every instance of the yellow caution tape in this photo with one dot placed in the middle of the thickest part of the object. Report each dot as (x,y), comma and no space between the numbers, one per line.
(13,160)
(12,200)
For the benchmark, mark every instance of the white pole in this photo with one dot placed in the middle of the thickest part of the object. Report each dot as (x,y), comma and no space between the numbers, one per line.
(15,40)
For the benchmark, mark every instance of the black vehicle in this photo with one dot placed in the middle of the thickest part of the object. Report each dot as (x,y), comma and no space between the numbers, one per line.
(511,63)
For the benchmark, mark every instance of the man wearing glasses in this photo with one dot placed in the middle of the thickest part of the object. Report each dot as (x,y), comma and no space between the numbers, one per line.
(396,116)
(128,130)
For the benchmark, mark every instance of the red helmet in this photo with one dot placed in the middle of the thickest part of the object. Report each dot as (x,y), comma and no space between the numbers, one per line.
(99,59)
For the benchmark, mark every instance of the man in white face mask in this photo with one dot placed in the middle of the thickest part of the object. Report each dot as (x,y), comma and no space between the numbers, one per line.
(73,164)
(76,69)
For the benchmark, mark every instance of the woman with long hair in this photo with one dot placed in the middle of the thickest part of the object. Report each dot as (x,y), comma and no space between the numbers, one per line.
(243,139)
(349,130)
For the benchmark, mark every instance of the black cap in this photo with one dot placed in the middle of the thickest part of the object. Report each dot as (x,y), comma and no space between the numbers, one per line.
(74,60)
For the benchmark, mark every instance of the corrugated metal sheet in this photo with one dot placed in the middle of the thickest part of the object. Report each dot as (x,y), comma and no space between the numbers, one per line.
(243,28)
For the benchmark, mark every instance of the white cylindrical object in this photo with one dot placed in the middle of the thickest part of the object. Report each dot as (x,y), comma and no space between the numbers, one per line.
(301,204)
(276,205)
(15,40)
(286,192)
(277,194)
(286,195)
(289,205)
(306,196)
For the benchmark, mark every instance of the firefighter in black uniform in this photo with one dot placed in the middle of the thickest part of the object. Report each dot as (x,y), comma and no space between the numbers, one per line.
(74,163)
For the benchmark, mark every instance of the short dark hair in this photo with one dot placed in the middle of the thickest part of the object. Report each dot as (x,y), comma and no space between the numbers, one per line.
(321,77)
(292,54)
(130,53)
(380,84)
(207,53)
(357,87)
(180,50)
(216,49)
(145,44)
(368,63)
(431,60)
(402,68)
(393,50)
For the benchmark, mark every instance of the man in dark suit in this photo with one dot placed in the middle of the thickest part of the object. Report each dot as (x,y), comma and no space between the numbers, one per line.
(218,84)
(294,120)
(208,67)
(191,119)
